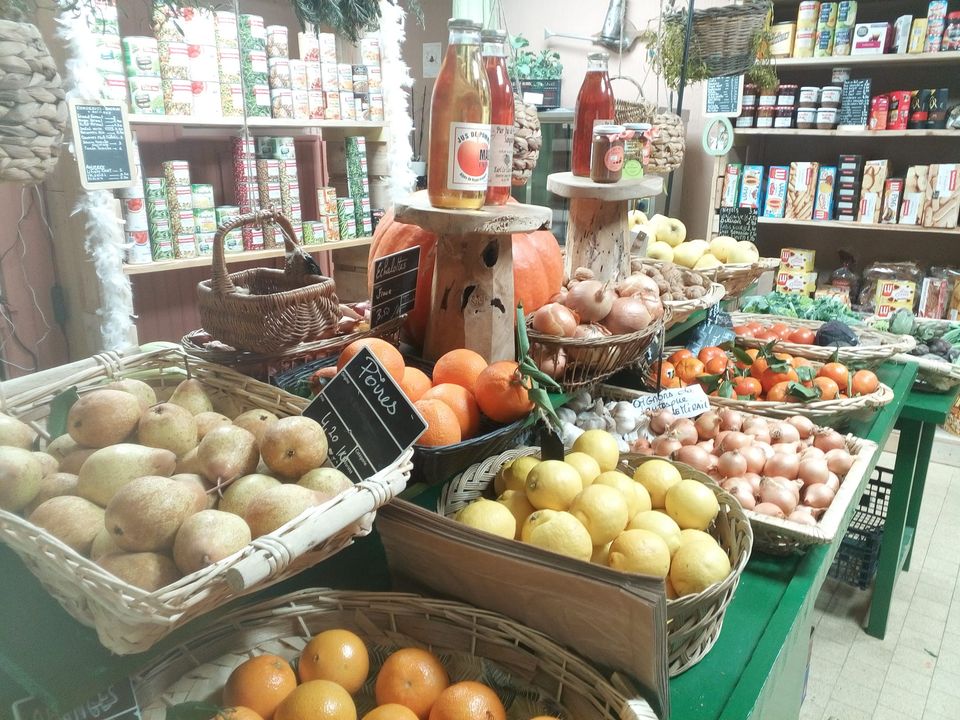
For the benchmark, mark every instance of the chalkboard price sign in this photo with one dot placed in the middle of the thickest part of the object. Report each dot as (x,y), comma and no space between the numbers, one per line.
(101,138)
(724,95)
(854,104)
(117,702)
(394,285)
(368,420)
(739,223)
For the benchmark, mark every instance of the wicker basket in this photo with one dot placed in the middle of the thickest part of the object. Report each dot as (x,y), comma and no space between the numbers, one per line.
(933,375)
(875,347)
(591,361)
(129,619)
(472,643)
(725,38)
(693,621)
(682,309)
(262,309)
(668,135)
(33,111)
(737,278)
(527,140)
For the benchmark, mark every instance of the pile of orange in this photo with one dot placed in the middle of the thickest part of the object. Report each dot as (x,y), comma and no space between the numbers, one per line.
(412,684)
(759,374)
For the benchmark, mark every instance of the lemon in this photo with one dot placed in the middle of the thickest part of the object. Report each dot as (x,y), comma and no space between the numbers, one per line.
(601,446)
(689,535)
(585,465)
(640,551)
(516,502)
(552,485)
(657,522)
(697,566)
(602,510)
(657,476)
(513,474)
(489,516)
(600,554)
(559,532)
(692,505)
(635,494)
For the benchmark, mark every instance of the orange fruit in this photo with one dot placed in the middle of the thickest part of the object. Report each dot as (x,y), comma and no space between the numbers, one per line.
(759,366)
(666,372)
(336,655)
(443,427)
(460,367)
(837,372)
(688,369)
(390,711)
(386,353)
(237,713)
(545,717)
(463,404)
(747,385)
(715,365)
(800,362)
(679,355)
(864,382)
(802,336)
(468,700)
(770,377)
(317,700)
(778,393)
(781,330)
(413,678)
(260,683)
(501,392)
(752,352)
(828,388)
(708,353)
(414,383)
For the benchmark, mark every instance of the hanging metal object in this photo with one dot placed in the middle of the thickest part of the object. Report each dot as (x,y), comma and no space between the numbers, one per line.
(618,33)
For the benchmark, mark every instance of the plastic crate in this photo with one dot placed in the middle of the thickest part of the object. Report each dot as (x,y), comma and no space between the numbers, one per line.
(859,552)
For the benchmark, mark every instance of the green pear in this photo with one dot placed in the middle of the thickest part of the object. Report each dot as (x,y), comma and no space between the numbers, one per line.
(207,421)
(48,463)
(189,464)
(168,426)
(208,537)
(20,477)
(226,453)
(103,417)
(191,394)
(203,498)
(61,446)
(145,394)
(73,461)
(225,403)
(109,469)
(277,506)
(52,485)
(242,491)
(326,482)
(16,433)
(103,544)
(256,421)
(146,570)
(72,520)
(145,514)
(293,446)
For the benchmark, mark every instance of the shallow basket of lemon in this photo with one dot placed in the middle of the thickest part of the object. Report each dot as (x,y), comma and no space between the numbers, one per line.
(693,621)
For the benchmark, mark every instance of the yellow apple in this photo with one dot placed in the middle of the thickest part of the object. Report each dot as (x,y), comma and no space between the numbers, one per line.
(745,252)
(707,262)
(721,246)
(659,250)
(687,254)
(668,230)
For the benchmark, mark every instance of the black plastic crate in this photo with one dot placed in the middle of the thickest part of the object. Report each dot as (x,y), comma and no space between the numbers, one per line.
(859,553)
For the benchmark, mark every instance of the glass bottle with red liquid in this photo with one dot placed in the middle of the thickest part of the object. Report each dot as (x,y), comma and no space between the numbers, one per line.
(494,53)
(459,152)
(594,106)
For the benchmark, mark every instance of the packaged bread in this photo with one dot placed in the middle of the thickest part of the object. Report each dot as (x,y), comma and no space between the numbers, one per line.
(942,196)
(801,190)
(914,195)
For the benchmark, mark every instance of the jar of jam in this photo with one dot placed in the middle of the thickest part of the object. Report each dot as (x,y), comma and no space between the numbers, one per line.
(806,118)
(826,118)
(784,116)
(607,154)
(787,95)
(765,115)
(636,148)
(768,96)
(749,95)
(830,96)
(747,116)
(809,96)
(951,32)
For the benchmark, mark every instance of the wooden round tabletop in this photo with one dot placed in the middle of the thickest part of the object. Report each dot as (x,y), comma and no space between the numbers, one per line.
(488,220)
(568,185)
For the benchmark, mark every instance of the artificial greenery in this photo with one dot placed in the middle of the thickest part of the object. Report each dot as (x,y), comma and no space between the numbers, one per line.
(349,18)
(528,65)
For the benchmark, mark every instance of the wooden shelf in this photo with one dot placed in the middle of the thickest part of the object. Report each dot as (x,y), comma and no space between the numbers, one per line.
(247,256)
(854,60)
(850,133)
(167,128)
(836,225)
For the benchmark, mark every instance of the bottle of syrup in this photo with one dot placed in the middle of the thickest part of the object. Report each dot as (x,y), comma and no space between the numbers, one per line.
(595,106)
(501,117)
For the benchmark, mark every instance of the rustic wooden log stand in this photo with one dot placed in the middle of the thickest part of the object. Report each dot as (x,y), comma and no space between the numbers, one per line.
(598,236)
(472,303)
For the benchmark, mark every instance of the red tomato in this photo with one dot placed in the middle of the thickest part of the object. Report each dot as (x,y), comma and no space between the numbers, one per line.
(781,330)
(766,335)
(743,331)
(802,336)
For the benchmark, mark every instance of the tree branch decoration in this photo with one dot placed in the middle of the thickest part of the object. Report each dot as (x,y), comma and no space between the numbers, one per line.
(349,18)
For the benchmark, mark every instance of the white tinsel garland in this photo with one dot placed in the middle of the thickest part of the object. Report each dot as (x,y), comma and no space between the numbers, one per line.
(396,100)
(104,239)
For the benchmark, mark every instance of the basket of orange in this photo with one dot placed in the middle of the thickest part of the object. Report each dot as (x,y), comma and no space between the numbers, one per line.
(775,384)
(330,655)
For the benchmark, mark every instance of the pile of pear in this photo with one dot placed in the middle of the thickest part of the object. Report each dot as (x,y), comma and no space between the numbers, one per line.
(156,491)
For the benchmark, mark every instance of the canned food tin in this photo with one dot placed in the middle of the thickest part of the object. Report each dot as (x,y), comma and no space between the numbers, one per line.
(138,247)
(141,56)
(146,95)
(206,98)
(174,60)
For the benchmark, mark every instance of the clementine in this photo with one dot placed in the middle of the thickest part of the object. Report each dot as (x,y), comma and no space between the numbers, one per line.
(260,683)
(828,388)
(317,700)
(688,369)
(413,678)
(414,383)
(771,377)
(443,427)
(778,392)
(237,713)
(864,382)
(460,367)
(386,353)
(837,372)
(501,392)
(463,404)
(336,655)
(747,385)
(679,355)
(390,711)
(468,700)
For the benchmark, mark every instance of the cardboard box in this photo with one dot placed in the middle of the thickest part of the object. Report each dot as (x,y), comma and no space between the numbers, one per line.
(871,38)
(934,293)
(807,16)
(846,21)
(901,34)
(869,210)
(796,283)
(826,189)
(942,205)
(918,36)
(874,176)
(936,23)
(801,190)
(797,260)
(892,295)
(774,206)
(782,36)
(751,187)
(731,185)
(826,30)
(892,193)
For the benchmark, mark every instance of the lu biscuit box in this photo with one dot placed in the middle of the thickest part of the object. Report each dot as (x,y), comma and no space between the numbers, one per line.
(731,185)
(751,187)
(801,190)
(309,46)
(892,295)
(826,184)
(914,195)
(797,260)
(775,203)
(942,196)
(796,283)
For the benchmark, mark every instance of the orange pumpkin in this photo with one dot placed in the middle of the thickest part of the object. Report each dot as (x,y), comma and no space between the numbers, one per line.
(537,267)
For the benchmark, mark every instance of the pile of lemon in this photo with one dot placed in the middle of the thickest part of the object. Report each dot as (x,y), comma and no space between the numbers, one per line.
(654,523)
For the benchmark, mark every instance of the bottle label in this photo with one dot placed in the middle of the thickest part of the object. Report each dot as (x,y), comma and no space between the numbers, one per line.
(469,156)
(613,158)
(501,155)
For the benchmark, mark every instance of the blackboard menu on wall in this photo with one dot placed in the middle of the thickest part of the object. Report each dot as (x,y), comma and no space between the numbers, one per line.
(854,104)
(101,139)
(739,223)
(723,96)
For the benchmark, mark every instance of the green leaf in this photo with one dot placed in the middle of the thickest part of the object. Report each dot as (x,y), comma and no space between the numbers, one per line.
(802,392)
(768,349)
(541,399)
(805,373)
(742,355)
(196,710)
(523,342)
(778,365)
(59,408)
(725,390)
(711,382)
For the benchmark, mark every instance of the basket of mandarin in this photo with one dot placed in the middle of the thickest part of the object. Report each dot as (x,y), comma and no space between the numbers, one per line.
(775,384)
(814,340)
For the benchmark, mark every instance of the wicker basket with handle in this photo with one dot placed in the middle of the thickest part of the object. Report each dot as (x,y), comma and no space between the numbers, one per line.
(725,38)
(668,136)
(737,278)
(263,309)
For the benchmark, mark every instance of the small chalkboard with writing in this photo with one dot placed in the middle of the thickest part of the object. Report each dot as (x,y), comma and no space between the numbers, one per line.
(854,104)
(739,223)
(724,95)
(101,140)
(117,702)
(368,420)
(394,285)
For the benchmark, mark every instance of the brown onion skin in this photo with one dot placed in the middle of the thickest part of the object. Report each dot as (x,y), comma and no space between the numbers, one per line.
(660,421)
(778,494)
(627,315)
(684,430)
(708,425)
(695,457)
(706,445)
(754,480)
(555,319)
(810,453)
(783,464)
(638,285)
(730,419)
(732,464)
(813,472)
(828,440)
(590,299)
(734,440)
(832,481)
(741,490)
(818,496)
(839,461)
(755,458)
(665,446)
(784,432)
(802,516)
(804,425)
(765,508)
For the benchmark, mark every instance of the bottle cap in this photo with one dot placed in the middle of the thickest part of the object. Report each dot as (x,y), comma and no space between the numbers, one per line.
(462,24)
(492,35)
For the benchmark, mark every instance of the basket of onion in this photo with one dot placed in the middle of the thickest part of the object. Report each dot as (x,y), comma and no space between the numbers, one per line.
(795,480)
(682,290)
(592,329)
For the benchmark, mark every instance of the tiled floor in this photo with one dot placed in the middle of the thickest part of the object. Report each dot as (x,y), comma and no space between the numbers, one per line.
(914,672)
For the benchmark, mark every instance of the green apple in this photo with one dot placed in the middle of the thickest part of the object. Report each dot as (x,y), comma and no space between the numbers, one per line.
(668,230)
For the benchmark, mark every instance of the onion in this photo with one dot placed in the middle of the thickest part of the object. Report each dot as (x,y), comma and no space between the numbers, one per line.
(732,464)
(659,421)
(761,437)
(811,453)
(641,450)
(708,425)
(813,472)
(628,315)
(730,419)
(695,457)
(591,300)
(555,319)
(550,362)
(684,430)
(706,445)
(638,285)
(742,490)
(590,331)
(754,425)
(784,465)
(640,442)
(765,508)
(803,425)
(783,432)
(755,458)
(718,440)
(734,440)
(802,515)
(712,463)
(665,446)
(788,447)
(832,481)
(839,461)
(828,440)
(818,496)
(559,296)
(767,449)
(754,480)
(775,491)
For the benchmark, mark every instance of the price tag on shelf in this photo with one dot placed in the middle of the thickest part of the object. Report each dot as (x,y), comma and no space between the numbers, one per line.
(682,402)
(394,285)
(101,140)
(117,702)
(368,420)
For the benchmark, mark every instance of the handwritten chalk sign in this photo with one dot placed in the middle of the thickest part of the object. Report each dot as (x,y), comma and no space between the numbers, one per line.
(394,285)
(682,402)
(101,140)
(739,223)
(368,420)
(724,96)
(854,104)
(117,702)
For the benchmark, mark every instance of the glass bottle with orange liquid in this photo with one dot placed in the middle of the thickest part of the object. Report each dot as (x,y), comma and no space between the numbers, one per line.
(459,153)
(594,106)
(501,117)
